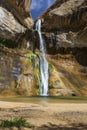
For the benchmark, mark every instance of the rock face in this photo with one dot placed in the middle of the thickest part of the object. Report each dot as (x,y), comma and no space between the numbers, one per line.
(70,15)
(14,18)
(9,32)
(67,21)
(67,76)
(64,28)
(19,72)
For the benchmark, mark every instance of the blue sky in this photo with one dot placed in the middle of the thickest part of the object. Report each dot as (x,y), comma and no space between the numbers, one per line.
(39,6)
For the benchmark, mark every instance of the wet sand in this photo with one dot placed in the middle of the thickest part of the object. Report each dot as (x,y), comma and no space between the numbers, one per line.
(48,116)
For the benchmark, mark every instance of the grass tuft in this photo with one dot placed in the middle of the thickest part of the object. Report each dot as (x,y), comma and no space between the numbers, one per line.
(16,122)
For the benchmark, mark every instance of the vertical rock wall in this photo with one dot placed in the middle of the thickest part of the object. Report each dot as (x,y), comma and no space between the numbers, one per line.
(19,73)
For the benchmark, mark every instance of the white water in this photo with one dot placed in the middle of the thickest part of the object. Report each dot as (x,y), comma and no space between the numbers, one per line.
(43,63)
(28,45)
(42,45)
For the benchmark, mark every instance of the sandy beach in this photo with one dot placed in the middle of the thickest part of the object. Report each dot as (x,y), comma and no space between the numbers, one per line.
(47,116)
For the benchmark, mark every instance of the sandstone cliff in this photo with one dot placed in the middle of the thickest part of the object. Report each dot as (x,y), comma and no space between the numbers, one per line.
(67,20)
(15,18)
(64,29)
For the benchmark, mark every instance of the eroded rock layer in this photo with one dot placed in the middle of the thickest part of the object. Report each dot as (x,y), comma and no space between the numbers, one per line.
(19,72)
(15,18)
(68,23)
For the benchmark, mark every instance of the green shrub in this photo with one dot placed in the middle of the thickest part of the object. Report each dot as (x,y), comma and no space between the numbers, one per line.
(16,122)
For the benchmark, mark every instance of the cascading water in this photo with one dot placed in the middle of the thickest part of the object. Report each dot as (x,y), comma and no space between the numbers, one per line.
(43,63)
(42,45)
(28,45)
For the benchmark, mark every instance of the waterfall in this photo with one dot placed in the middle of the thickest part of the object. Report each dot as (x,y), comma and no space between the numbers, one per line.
(28,45)
(44,75)
(42,45)
(43,63)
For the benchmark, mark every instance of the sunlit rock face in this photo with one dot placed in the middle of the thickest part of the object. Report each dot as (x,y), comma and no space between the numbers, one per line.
(15,18)
(67,76)
(20,10)
(66,15)
(68,23)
